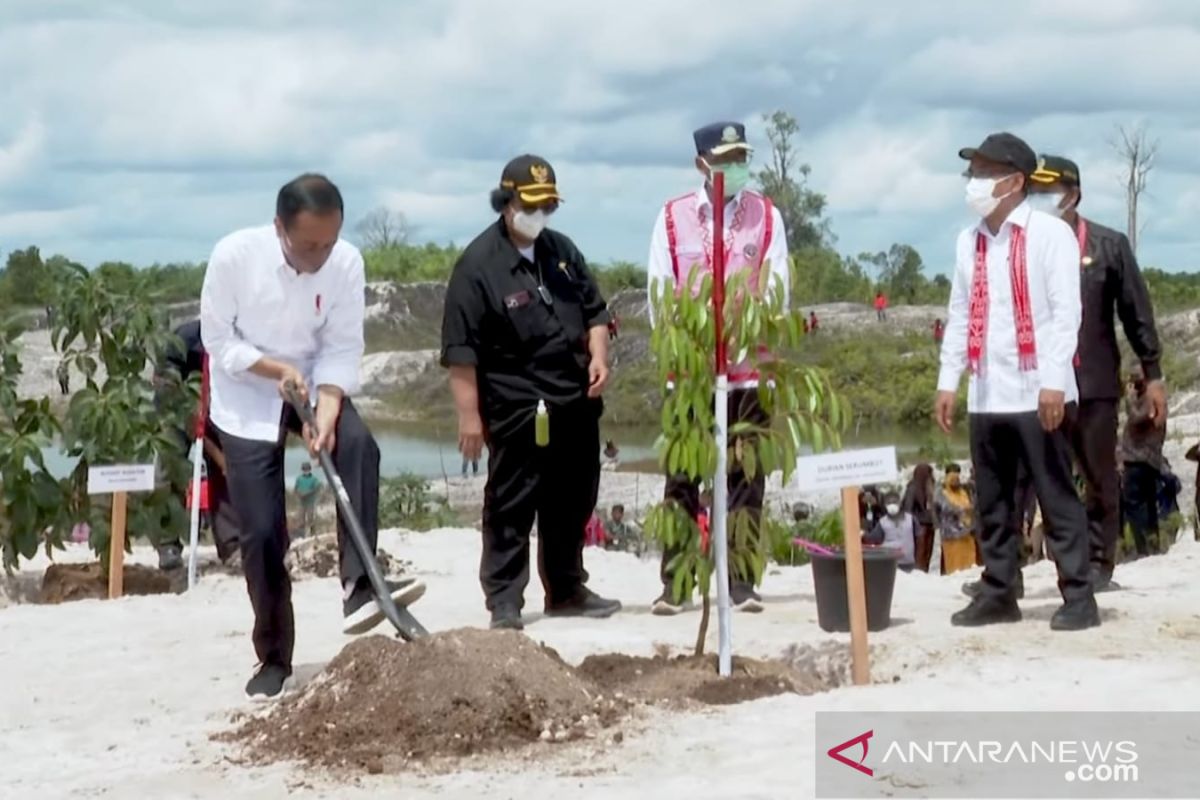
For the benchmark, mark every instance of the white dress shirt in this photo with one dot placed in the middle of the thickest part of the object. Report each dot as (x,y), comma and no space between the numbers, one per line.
(254,305)
(660,268)
(1052,263)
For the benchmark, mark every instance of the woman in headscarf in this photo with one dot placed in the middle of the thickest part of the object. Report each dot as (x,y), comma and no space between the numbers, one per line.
(956,517)
(918,501)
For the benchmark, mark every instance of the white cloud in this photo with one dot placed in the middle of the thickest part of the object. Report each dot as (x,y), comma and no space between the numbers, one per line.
(158,125)
(19,156)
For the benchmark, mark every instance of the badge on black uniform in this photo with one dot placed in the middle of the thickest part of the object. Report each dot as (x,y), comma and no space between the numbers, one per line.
(517,299)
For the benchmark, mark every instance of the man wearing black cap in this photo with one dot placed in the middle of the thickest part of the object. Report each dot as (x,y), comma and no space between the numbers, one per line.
(1013,322)
(525,334)
(1112,288)
(755,239)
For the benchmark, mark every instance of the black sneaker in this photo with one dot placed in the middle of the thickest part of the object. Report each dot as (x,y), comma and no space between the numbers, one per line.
(744,598)
(267,682)
(585,603)
(975,588)
(986,611)
(1076,615)
(361,613)
(665,605)
(506,617)
(170,557)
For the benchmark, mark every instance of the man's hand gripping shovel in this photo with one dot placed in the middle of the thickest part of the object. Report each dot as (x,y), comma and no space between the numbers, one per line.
(403,620)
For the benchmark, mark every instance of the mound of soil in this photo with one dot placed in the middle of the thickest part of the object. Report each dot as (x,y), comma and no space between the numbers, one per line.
(675,681)
(383,706)
(65,583)
(317,556)
(380,703)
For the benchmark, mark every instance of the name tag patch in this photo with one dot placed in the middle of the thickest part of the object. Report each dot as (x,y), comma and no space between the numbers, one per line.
(517,299)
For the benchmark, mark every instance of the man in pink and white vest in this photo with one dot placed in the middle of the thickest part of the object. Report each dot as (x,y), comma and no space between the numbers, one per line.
(755,240)
(1013,323)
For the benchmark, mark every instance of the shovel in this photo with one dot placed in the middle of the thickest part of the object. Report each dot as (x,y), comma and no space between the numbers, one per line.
(403,620)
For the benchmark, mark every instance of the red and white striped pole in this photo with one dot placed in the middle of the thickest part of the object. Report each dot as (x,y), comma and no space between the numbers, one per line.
(720,492)
(197,457)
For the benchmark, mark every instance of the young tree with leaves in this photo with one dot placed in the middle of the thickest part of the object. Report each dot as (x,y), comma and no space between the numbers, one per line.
(800,410)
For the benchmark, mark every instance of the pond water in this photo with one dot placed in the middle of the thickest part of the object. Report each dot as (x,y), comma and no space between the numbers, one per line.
(431,451)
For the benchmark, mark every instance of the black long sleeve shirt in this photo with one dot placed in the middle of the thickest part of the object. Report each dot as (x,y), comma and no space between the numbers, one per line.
(523,348)
(1113,288)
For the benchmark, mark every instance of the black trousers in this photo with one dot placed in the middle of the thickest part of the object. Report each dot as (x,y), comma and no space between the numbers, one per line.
(999,444)
(744,493)
(1140,496)
(255,472)
(1093,436)
(557,484)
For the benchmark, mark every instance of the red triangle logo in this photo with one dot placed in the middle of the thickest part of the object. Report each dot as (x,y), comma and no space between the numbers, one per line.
(835,753)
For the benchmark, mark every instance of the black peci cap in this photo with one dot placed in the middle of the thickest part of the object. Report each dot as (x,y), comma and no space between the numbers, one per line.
(1004,148)
(532,178)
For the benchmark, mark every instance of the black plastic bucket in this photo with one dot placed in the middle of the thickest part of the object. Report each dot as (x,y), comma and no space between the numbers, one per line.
(829,580)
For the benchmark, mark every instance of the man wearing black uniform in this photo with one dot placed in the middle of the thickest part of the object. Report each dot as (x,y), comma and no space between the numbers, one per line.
(1112,287)
(185,361)
(525,325)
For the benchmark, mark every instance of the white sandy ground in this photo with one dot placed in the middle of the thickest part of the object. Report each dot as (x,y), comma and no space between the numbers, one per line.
(118,699)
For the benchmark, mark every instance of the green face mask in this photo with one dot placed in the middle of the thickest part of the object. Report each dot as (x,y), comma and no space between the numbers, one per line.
(736,177)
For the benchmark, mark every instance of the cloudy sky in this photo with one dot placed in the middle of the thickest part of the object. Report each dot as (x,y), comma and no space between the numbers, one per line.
(143,130)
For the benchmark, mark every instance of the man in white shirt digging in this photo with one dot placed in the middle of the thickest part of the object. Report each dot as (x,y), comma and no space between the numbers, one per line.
(1013,322)
(285,303)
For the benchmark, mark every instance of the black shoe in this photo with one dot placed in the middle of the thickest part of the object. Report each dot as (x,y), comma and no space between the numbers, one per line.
(170,557)
(743,598)
(1076,615)
(1103,583)
(267,682)
(507,617)
(665,605)
(585,603)
(975,588)
(361,612)
(986,611)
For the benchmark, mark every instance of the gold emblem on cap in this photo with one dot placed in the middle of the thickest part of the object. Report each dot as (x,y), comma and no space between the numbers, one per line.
(729,134)
(540,173)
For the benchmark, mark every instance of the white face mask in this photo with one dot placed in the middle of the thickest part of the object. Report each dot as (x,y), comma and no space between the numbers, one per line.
(979,195)
(893,510)
(530,224)
(1049,203)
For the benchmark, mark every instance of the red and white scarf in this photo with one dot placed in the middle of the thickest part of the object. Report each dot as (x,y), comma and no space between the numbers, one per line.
(1022,308)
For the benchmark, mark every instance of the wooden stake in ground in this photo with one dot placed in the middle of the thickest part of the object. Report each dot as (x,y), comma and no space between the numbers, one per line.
(856,587)
(116,548)
(118,480)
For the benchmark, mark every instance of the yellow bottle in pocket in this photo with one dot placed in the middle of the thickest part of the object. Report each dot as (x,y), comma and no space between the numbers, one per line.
(542,425)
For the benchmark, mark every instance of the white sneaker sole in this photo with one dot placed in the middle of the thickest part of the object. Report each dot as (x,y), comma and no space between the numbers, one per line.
(661,609)
(370,615)
(750,606)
